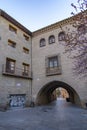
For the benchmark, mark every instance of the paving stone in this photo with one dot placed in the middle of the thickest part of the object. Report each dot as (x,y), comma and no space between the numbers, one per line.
(59,115)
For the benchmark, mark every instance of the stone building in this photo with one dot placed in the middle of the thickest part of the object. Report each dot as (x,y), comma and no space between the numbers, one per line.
(33,65)
(15,62)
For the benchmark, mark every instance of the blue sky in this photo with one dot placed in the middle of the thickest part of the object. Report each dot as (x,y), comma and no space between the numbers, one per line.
(35,14)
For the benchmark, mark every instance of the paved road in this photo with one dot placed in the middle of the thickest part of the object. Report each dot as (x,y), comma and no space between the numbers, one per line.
(59,115)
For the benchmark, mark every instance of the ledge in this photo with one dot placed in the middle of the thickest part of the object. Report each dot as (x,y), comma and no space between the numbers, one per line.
(17,76)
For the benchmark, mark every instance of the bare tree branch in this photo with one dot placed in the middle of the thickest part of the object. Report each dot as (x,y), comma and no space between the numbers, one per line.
(76,41)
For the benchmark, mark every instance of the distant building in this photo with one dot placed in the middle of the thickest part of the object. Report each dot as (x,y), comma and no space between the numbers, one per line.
(64,93)
(33,65)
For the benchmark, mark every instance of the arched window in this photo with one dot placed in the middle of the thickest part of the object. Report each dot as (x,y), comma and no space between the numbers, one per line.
(51,39)
(42,42)
(81,29)
(61,36)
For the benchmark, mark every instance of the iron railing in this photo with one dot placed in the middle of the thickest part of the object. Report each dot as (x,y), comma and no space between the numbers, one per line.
(53,71)
(17,72)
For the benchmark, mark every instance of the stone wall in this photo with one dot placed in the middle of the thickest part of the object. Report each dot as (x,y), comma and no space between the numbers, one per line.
(10,84)
(39,55)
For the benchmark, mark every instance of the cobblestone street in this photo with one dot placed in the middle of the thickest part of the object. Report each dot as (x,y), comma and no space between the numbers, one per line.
(59,115)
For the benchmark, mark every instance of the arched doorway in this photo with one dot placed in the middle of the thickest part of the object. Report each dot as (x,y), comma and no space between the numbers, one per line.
(46,92)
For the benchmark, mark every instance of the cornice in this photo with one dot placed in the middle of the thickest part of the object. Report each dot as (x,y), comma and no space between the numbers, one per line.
(57,25)
(53,26)
(42,30)
(13,21)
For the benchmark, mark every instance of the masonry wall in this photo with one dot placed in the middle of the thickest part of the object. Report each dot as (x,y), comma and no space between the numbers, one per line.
(39,55)
(37,61)
(10,84)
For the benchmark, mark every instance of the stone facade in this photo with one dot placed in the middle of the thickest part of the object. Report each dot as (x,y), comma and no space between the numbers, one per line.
(44,80)
(14,84)
(39,54)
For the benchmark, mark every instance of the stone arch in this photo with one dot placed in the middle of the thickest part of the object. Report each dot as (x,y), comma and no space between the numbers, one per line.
(42,42)
(61,36)
(44,95)
(51,39)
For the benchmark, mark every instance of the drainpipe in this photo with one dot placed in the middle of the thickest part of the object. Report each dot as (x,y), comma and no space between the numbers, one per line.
(32,104)
(31,68)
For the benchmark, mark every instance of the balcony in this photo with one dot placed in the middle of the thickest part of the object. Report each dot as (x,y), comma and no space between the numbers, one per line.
(17,72)
(53,71)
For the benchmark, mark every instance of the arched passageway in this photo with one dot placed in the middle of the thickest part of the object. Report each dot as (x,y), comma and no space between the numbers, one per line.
(46,93)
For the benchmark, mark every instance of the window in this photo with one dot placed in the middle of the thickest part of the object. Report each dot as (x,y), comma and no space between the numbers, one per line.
(10,65)
(51,39)
(11,43)
(42,42)
(61,36)
(26,37)
(81,29)
(53,66)
(12,29)
(25,69)
(53,62)
(25,50)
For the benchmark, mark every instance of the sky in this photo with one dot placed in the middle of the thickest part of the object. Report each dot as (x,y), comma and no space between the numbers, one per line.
(36,14)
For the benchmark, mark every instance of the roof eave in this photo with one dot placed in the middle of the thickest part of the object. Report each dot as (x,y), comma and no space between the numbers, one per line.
(13,21)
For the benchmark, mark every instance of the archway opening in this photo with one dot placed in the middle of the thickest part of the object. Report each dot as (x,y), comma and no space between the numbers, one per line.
(48,93)
(61,93)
